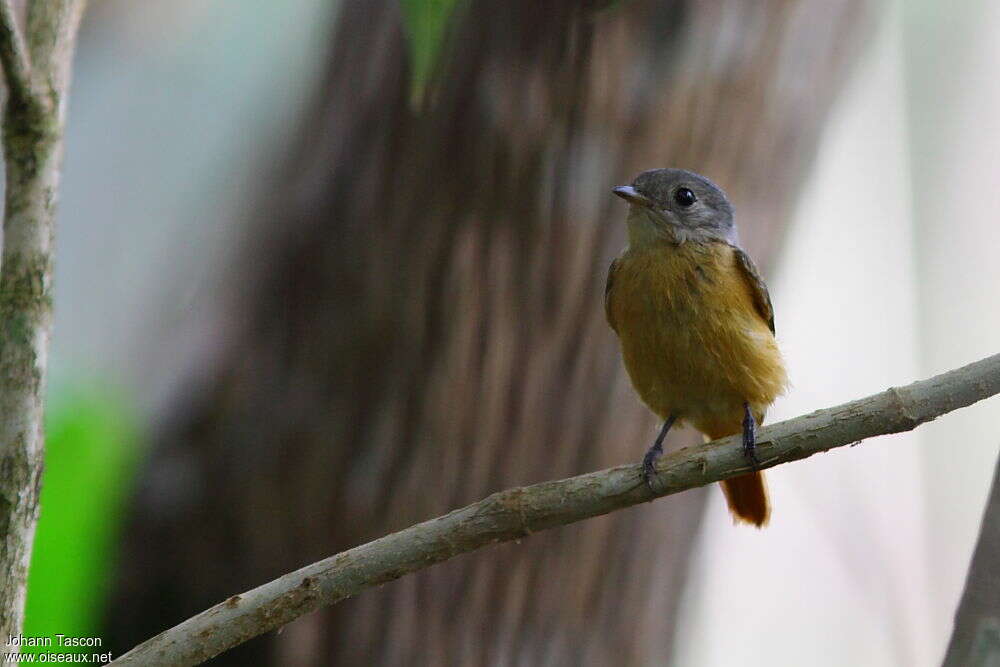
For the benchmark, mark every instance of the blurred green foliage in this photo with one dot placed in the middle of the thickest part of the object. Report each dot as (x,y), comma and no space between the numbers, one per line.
(426,22)
(91,438)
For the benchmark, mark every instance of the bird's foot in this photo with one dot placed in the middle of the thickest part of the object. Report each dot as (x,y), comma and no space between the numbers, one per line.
(649,463)
(750,436)
(655,452)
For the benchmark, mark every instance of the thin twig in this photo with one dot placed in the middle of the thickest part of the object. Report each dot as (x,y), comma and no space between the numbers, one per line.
(14,54)
(518,512)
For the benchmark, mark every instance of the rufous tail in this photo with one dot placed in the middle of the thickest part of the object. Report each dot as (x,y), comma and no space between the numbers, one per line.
(746,496)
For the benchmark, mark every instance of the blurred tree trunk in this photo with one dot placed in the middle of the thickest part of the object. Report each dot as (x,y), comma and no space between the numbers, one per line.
(419,323)
(975,639)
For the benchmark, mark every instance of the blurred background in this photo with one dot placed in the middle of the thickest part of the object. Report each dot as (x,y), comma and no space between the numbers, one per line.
(328,269)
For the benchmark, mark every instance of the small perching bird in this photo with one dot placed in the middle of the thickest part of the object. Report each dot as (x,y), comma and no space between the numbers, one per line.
(695,322)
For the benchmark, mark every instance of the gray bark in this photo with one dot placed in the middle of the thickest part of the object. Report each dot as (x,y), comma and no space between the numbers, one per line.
(36,70)
(975,641)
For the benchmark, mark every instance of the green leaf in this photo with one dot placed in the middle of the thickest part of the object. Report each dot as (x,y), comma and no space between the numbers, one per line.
(90,458)
(426,22)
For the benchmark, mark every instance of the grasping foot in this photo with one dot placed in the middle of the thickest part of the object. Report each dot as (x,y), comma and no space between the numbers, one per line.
(750,436)
(655,452)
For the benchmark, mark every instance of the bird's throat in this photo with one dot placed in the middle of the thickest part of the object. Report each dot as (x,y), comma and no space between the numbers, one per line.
(646,229)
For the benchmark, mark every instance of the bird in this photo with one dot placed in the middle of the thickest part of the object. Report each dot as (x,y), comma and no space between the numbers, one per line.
(695,322)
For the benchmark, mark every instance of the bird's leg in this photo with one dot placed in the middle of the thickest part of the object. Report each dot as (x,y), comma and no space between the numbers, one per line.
(750,435)
(654,452)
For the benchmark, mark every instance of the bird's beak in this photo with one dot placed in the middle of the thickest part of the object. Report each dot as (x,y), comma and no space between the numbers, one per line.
(632,196)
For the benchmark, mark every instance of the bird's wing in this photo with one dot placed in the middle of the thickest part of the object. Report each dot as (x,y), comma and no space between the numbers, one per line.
(607,294)
(761,298)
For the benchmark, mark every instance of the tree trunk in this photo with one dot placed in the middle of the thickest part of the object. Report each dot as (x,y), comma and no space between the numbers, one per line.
(36,70)
(420,324)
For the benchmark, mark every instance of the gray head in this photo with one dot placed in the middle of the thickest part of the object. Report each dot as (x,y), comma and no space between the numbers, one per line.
(679,205)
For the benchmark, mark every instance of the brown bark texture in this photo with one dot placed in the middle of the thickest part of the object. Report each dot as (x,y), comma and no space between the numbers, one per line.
(419,324)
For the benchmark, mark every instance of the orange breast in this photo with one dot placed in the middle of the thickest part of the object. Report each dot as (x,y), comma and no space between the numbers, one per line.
(692,340)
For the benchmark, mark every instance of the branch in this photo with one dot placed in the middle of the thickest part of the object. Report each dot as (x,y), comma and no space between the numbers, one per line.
(14,55)
(516,513)
(976,636)
(52,28)
(33,120)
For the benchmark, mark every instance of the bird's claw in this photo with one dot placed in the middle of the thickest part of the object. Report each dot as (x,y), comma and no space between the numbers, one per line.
(654,452)
(649,467)
(750,437)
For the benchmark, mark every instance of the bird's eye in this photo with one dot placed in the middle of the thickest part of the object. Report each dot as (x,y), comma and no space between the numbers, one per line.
(684,197)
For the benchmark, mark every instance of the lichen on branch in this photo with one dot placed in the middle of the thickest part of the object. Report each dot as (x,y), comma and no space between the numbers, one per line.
(36,67)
